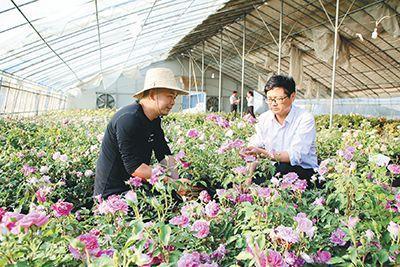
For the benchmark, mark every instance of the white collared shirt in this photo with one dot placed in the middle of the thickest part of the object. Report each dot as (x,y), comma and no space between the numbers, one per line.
(296,136)
(233,100)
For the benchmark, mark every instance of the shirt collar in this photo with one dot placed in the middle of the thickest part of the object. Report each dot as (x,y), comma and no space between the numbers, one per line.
(289,118)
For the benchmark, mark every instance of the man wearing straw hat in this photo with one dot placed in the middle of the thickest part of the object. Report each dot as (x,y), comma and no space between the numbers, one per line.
(134,132)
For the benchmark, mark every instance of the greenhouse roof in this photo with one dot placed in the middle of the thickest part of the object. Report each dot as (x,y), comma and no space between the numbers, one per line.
(367,66)
(62,43)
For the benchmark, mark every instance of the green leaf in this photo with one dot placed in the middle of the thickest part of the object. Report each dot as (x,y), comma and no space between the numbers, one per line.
(244,255)
(336,260)
(165,234)
(383,256)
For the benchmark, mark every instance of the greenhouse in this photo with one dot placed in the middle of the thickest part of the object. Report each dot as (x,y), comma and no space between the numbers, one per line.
(200,133)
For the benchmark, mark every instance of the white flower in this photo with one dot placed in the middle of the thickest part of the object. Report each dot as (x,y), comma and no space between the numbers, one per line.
(229,133)
(369,234)
(64,158)
(379,159)
(56,155)
(306,257)
(88,173)
(241,125)
(44,169)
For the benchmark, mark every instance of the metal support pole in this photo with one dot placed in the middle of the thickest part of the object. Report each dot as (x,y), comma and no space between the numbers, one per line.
(280,38)
(334,64)
(243,55)
(220,75)
(202,68)
(37,100)
(190,78)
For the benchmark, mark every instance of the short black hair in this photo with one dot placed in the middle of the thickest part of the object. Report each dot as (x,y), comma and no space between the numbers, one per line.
(234,92)
(286,82)
(251,93)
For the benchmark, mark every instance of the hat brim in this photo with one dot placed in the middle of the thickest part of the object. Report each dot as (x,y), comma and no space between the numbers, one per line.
(139,94)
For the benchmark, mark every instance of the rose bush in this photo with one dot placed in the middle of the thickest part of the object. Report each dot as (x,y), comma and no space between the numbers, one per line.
(48,216)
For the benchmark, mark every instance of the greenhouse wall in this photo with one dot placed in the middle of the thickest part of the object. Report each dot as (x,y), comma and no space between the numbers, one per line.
(24,98)
(124,86)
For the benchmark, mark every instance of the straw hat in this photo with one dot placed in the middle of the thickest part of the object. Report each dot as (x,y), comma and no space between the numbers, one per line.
(159,78)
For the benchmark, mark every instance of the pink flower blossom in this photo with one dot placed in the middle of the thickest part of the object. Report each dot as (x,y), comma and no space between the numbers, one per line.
(193,133)
(322,257)
(41,194)
(393,229)
(62,208)
(28,170)
(131,196)
(219,253)
(10,220)
(264,192)
(288,180)
(304,224)
(156,172)
(394,168)
(180,155)
(337,237)
(320,201)
(204,196)
(212,209)
(116,204)
(181,220)
(2,212)
(287,234)
(201,228)
(300,185)
(185,164)
(244,198)
(369,234)
(33,218)
(90,244)
(189,260)
(135,181)
(352,221)
(274,259)
(188,209)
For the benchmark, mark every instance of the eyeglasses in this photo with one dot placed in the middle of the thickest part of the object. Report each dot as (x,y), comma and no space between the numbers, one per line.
(277,100)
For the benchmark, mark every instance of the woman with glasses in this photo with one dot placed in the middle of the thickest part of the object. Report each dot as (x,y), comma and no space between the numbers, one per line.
(285,133)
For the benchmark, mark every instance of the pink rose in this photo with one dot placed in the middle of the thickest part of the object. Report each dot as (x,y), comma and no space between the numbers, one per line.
(33,218)
(193,133)
(212,209)
(62,208)
(115,204)
(201,227)
(182,221)
(204,196)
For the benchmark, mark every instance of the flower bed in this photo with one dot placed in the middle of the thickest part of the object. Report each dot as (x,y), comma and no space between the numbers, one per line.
(46,178)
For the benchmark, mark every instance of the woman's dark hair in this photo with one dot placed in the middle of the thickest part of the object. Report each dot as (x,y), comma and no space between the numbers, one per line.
(251,93)
(286,82)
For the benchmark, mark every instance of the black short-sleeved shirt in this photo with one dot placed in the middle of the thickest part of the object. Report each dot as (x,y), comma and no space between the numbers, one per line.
(129,140)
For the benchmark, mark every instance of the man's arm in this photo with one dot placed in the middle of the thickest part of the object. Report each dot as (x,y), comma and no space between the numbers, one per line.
(127,130)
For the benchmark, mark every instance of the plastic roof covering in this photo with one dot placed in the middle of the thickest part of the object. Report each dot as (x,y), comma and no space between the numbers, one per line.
(62,43)
(374,63)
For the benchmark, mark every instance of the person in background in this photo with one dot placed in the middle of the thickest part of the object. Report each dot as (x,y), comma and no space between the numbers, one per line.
(134,133)
(285,133)
(250,103)
(234,101)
